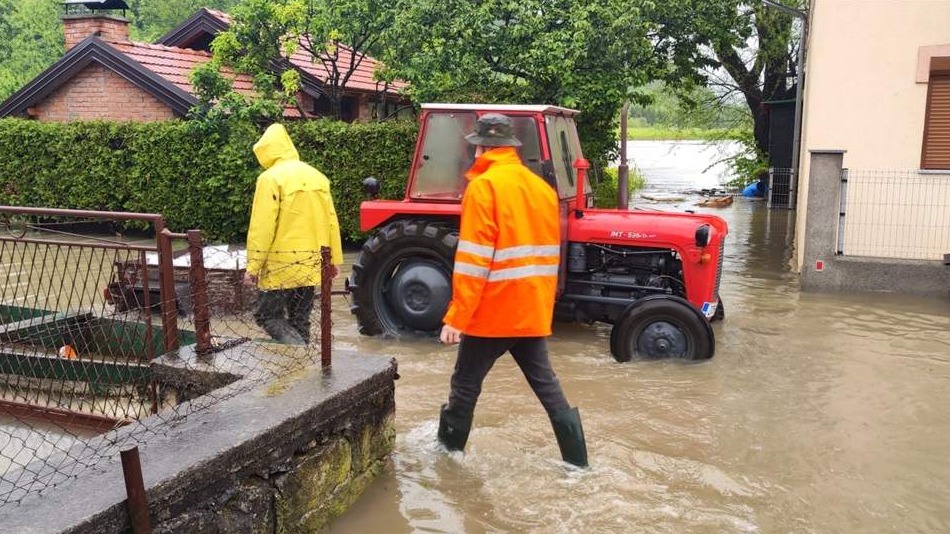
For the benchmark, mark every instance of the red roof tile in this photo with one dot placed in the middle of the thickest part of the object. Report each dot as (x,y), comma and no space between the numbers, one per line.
(176,64)
(360,80)
(224,17)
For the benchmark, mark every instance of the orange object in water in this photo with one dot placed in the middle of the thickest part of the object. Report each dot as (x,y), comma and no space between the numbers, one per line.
(68,352)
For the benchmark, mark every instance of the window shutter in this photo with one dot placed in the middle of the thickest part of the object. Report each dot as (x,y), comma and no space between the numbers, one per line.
(936,150)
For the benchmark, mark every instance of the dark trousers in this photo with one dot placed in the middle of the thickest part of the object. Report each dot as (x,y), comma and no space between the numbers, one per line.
(285,313)
(477,355)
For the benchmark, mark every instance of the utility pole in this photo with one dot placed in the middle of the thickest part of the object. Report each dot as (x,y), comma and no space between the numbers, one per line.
(623,173)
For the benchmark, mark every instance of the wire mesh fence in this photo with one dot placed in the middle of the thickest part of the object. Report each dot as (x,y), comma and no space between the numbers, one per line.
(894,214)
(780,188)
(101,332)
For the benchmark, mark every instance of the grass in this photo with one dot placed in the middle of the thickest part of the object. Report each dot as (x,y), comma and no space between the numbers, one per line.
(649,133)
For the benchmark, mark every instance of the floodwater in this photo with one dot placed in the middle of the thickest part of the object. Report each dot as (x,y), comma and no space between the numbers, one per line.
(819,413)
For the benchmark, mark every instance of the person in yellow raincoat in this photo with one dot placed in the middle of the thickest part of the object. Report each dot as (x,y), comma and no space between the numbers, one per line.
(292,218)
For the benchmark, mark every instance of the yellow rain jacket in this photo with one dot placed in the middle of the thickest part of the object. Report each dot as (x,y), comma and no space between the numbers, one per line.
(292,217)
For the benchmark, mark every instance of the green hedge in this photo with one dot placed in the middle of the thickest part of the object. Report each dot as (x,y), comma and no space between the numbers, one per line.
(196,177)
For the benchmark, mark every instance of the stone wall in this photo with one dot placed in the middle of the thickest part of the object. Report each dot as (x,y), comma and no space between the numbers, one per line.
(288,456)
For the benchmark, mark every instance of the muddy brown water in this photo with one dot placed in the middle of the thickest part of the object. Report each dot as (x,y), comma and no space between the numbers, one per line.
(819,413)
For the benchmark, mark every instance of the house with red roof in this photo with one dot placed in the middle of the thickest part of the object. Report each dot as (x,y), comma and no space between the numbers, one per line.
(105,75)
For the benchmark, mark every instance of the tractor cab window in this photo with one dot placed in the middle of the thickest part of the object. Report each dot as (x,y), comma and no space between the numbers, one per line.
(446,155)
(565,148)
(526,130)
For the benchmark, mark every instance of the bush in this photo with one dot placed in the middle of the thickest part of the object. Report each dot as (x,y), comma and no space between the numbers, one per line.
(605,191)
(196,176)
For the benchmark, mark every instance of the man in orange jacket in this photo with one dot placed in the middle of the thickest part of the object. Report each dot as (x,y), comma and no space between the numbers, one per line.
(504,285)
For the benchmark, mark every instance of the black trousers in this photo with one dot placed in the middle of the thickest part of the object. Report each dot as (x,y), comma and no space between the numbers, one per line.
(285,313)
(477,355)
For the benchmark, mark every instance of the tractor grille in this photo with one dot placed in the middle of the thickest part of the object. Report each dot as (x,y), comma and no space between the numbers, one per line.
(722,256)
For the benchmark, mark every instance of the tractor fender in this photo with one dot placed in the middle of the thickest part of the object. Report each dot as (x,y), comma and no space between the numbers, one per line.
(708,327)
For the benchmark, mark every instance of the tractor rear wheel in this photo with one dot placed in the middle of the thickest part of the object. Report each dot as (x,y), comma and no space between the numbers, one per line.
(662,328)
(402,278)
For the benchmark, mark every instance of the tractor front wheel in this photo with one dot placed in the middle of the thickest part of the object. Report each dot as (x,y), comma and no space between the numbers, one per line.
(665,327)
(402,278)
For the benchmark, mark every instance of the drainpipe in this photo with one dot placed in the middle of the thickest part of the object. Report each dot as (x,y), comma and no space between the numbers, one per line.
(799,83)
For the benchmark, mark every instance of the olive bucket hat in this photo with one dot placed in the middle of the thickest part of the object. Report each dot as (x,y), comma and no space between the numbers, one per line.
(494,129)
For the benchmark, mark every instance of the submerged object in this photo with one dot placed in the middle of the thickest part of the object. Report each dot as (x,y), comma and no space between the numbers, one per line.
(716,202)
(755,189)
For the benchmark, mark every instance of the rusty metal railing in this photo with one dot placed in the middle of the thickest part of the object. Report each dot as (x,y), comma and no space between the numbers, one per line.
(80,346)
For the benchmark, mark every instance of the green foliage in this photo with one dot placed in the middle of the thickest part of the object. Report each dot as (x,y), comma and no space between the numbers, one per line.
(194,176)
(698,108)
(31,39)
(749,163)
(151,19)
(265,31)
(574,53)
(605,190)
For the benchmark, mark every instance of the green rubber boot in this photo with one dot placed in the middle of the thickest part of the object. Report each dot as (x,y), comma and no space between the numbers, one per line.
(570,436)
(453,430)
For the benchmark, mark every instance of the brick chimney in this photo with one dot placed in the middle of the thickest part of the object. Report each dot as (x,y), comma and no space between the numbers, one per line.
(110,28)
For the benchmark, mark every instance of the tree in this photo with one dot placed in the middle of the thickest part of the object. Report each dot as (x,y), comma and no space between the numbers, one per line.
(755,46)
(336,36)
(567,52)
(31,39)
(152,19)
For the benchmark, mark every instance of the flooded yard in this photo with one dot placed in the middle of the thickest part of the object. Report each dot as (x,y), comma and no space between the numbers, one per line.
(819,413)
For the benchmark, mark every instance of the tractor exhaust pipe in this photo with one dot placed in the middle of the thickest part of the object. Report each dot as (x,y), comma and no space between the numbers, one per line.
(580,202)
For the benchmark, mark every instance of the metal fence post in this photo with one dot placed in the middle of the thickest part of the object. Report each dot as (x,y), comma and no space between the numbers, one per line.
(199,288)
(326,289)
(135,490)
(167,283)
(842,211)
(792,194)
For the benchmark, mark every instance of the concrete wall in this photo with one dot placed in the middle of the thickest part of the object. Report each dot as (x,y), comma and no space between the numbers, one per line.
(285,456)
(864,92)
(825,270)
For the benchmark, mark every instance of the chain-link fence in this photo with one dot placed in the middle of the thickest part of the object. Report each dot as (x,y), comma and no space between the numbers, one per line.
(894,214)
(101,331)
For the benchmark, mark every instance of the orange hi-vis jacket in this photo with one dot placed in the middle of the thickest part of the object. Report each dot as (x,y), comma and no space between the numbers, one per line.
(506,264)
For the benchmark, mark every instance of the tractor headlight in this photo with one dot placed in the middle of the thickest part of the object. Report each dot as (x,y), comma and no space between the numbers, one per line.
(702,236)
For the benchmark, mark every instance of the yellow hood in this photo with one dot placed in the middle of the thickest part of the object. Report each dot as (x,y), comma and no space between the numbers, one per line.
(274,146)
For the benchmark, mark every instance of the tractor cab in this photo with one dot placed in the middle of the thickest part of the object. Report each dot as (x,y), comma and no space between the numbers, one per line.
(547,133)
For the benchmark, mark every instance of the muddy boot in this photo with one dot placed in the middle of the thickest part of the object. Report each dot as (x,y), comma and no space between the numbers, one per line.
(570,436)
(281,331)
(453,430)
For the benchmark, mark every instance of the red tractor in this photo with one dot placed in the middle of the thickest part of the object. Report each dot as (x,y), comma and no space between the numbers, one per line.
(653,275)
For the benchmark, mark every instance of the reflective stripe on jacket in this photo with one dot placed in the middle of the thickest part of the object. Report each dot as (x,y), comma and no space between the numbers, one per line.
(508,255)
(291,219)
